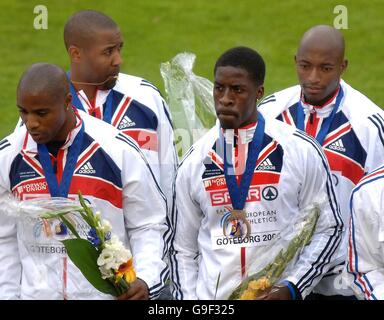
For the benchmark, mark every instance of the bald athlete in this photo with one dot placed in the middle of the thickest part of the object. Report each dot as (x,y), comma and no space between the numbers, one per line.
(346,123)
(131,104)
(44,103)
(58,152)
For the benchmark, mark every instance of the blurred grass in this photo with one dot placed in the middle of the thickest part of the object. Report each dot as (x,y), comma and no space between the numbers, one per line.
(155,31)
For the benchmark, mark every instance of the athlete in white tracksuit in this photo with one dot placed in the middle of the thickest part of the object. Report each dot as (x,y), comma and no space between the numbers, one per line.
(347,124)
(291,173)
(353,146)
(365,259)
(113,175)
(131,104)
(139,111)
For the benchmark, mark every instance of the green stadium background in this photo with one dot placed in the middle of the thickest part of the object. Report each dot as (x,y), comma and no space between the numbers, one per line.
(154,31)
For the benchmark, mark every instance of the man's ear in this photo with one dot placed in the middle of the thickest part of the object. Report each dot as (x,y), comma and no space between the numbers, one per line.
(344,65)
(260,92)
(74,53)
(68,101)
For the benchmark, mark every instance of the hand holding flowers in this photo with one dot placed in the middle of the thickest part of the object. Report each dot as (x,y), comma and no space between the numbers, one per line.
(261,284)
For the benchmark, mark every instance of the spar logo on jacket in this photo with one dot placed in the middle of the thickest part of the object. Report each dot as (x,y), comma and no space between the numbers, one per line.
(264,181)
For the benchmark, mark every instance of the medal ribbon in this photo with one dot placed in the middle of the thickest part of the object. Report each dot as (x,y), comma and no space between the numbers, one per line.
(238,193)
(327,122)
(55,189)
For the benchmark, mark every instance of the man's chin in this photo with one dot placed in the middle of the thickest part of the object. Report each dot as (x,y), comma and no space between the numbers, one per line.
(40,140)
(108,85)
(227,125)
(314,97)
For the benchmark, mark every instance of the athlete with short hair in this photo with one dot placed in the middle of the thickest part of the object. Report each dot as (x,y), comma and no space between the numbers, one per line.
(242,184)
(346,123)
(131,104)
(59,151)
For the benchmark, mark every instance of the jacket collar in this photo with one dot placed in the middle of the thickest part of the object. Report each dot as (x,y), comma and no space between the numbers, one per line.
(323,110)
(30,146)
(244,134)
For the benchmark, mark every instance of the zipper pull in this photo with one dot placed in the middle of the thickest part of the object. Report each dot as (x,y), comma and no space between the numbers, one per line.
(55,166)
(311,115)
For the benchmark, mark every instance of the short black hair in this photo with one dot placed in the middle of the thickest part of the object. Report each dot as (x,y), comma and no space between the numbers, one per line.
(245,58)
(44,78)
(81,27)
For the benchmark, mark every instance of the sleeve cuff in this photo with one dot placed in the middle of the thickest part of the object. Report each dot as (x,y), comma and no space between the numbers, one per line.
(293,290)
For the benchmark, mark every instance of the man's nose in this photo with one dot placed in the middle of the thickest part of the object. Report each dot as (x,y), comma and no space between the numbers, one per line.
(31,122)
(314,75)
(117,59)
(226,97)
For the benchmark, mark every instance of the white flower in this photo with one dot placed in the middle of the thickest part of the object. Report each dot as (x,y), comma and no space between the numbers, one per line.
(106,226)
(106,273)
(113,255)
(105,257)
(105,261)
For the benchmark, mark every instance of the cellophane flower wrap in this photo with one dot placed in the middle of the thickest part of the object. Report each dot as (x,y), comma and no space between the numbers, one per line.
(88,240)
(190,99)
(273,260)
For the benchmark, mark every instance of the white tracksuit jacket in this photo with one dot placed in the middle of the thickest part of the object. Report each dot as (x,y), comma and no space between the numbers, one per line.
(353,146)
(139,111)
(365,260)
(290,173)
(114,176)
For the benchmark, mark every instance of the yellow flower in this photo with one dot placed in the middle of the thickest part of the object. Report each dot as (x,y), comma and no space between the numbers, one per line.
(255,287)
(127,271)
(248,295)
(260,284)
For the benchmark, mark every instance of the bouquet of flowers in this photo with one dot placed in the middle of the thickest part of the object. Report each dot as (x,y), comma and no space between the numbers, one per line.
(101,258)
(255,284)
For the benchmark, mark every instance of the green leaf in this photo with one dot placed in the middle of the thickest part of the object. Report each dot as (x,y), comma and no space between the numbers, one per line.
(86,218)
(217,285)
(89,217)
(84,256)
